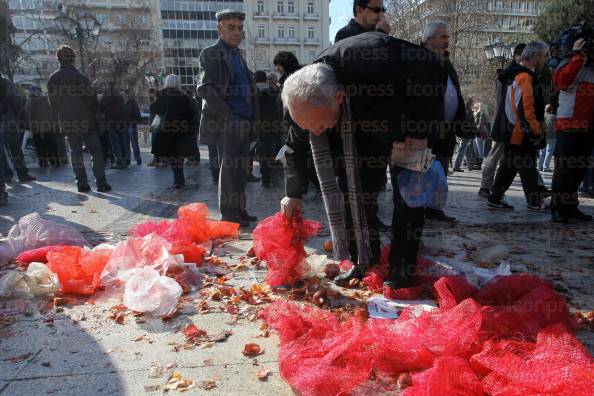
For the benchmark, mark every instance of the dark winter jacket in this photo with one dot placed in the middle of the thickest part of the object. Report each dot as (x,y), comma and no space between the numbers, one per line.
(387,99)
(174,140)
(39,116)
(115,111)
(73,97)
(132,112)
(353,28)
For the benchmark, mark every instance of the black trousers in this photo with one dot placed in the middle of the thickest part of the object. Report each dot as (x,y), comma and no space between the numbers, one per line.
(12,141)
(573,155)
(46,148)
(266,150)
(372,172)
(407,229)
(177,166)
(523,161)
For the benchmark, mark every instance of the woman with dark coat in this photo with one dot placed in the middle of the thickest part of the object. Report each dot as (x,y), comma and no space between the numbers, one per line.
(43,124)
(173,142)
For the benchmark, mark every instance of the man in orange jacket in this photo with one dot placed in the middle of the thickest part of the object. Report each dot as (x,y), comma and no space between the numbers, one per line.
(575,131)
(521,115)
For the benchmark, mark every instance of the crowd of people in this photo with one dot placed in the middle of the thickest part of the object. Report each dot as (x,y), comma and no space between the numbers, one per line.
(329,123)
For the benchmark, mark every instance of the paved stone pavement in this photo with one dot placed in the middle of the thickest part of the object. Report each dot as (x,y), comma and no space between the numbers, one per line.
(81,351)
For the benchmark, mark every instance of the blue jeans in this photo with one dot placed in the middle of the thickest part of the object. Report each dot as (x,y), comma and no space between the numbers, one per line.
(479,147)
(462,152)
(133,137)
(119,141)
(546,154)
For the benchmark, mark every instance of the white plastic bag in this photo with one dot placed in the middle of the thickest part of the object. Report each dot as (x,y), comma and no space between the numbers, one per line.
(32,232)
(147,291)
(151,251)
(41,279)
(37,281)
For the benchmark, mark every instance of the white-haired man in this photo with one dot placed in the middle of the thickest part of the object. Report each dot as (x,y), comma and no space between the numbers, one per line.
(230,105)
(457,122)
(519,126)
(366,89)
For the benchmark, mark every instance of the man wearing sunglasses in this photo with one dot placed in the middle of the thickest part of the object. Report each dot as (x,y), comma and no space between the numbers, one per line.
(369,15)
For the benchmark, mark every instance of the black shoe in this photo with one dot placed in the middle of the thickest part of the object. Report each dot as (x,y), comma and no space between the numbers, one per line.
(356,272)
(83,188)
(266,184)
(253,179)
(177,186)
(139,162)
(118,166)
(499,205)
(3,198)
(103,187)
(245,216)
(557,217)
(458,170)
(438,215)
(577,214)
(26,178)
(484,193)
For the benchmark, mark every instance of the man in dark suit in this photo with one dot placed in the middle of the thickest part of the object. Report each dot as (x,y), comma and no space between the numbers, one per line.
(364,91)
(230,105)
(73,97)
(368,16)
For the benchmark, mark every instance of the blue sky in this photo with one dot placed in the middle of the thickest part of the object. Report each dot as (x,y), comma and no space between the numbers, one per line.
(341,11)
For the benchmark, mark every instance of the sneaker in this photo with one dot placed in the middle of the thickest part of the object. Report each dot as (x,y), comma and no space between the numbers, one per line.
(484,193)
(3,198)
(541,207)
(499,205)
(577,214)
(103,187)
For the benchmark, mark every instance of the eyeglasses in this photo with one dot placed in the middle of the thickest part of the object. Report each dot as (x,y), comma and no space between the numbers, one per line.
(377,10)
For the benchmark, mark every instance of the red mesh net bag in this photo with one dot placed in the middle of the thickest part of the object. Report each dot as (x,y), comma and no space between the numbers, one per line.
(557,364)
(143,229)
(280,242)
(223,229)
(78,270)
(451,290)
(506,290)
(319,355)
(450,375)
(38,255)
(537,309)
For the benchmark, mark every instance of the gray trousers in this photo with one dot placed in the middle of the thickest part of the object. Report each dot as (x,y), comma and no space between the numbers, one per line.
(233,146)
(91,141)
(491,163)
(2,160)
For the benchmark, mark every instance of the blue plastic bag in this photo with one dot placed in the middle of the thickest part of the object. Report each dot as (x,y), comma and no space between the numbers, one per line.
(429,189)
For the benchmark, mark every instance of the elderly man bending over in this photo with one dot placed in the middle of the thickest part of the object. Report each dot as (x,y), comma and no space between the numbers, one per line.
(364,92)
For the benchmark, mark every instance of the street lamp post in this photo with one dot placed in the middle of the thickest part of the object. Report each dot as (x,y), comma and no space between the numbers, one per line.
(81,28)
(499,51)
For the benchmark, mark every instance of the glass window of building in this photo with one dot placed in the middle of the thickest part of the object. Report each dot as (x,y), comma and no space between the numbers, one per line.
(281,32)
(292,32)
(291,6)
(280,6)
(310,32)
(260,6)
(310,7)
(261,31)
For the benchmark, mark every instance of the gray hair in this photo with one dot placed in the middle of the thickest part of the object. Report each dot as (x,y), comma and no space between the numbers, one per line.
(533,49)
(313,84)
(431,29)
(172,81)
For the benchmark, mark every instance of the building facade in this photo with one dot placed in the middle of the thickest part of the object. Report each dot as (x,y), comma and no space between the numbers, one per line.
(298,26)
